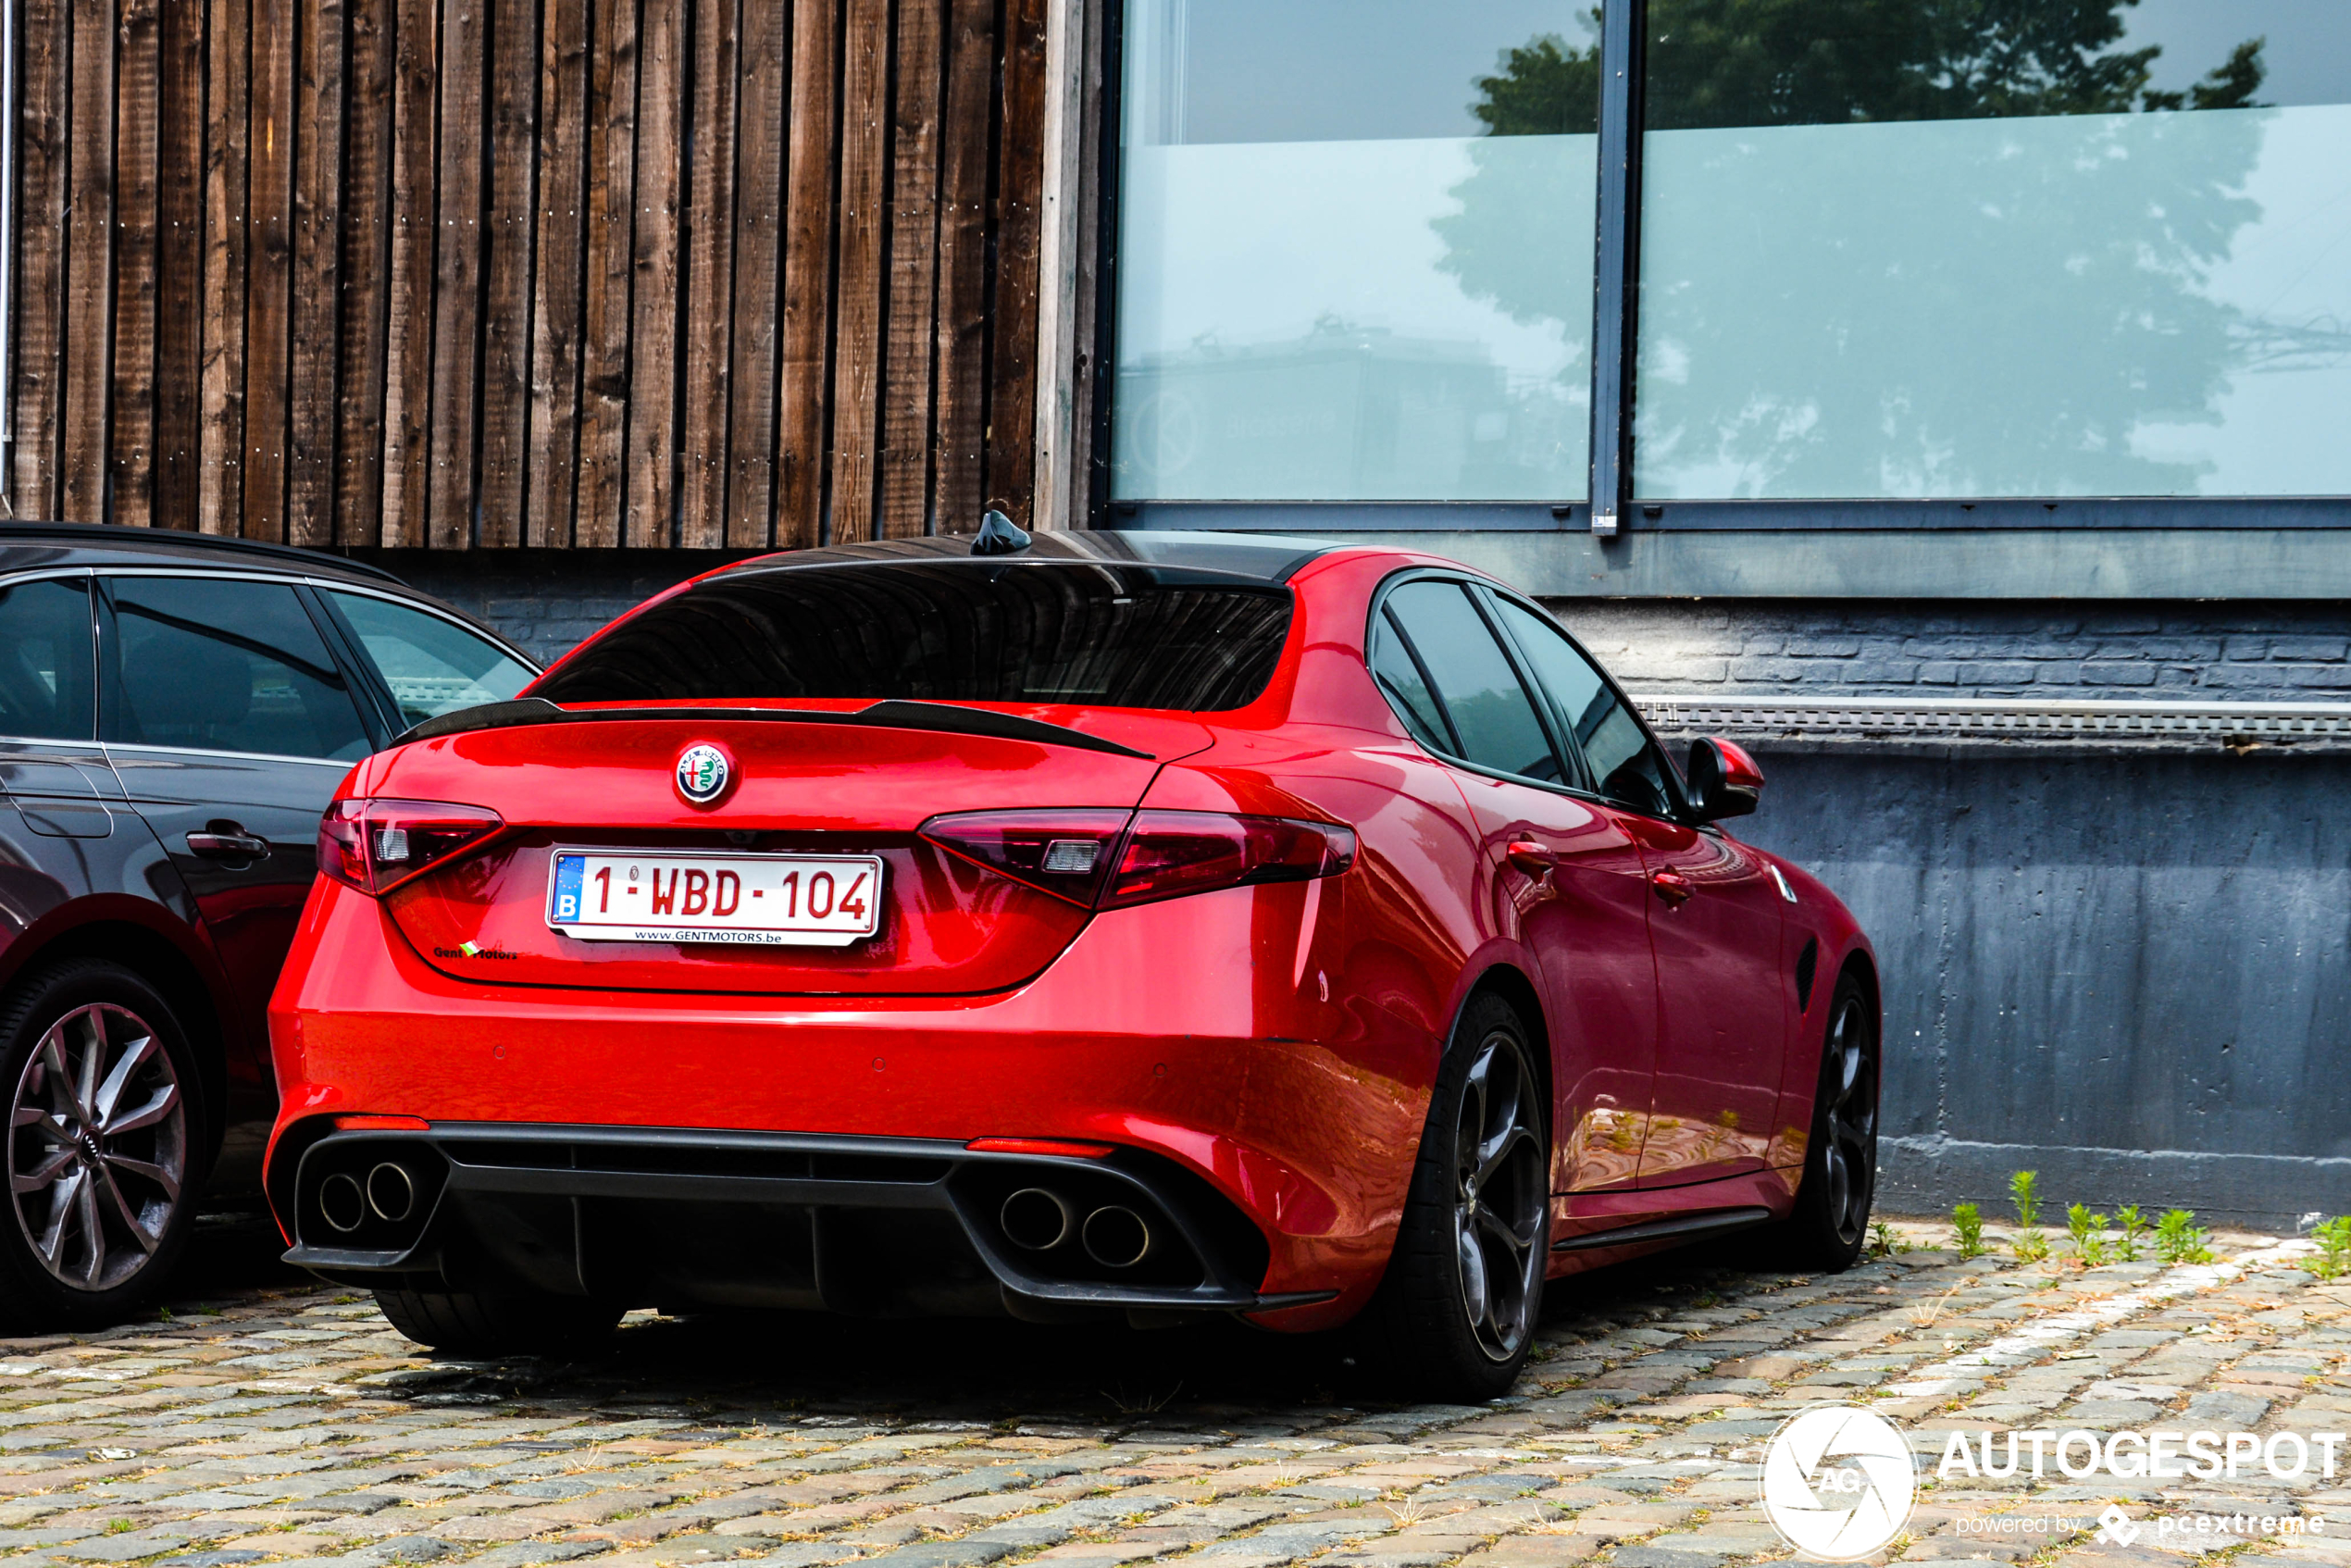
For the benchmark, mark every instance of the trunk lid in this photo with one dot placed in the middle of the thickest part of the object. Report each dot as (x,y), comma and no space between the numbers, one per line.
(799,785)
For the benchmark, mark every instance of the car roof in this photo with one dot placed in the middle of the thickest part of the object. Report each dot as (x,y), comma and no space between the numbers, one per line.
(27,546)
(1270,558)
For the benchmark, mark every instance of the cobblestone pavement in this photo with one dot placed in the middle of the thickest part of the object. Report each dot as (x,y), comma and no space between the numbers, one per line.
(290,1422)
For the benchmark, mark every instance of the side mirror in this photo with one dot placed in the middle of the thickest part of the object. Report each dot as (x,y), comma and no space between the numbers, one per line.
(1724,780)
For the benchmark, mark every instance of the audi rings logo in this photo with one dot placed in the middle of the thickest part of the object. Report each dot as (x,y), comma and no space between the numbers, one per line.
(1838,1482)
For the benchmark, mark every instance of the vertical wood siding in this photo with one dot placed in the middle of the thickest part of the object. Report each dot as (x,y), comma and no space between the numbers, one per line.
(485,273)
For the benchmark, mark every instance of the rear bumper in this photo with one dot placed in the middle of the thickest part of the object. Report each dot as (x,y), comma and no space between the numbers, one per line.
(1194,1036)
(687,1217)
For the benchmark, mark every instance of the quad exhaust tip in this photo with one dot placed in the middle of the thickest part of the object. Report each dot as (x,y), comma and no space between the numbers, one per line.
(1117,1237)
(341,1204)
(1036,1219)
(392,1192)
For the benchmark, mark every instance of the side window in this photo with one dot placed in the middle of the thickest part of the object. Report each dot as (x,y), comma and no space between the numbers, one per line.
(432,665)
(1623,760)
(46,661)
(217,665)
(1492,717)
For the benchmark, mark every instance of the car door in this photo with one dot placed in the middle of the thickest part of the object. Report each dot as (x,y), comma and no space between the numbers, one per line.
(1572,882)
(1714,923)
(230,722)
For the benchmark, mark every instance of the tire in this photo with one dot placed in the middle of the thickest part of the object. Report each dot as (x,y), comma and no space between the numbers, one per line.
(1454,1315)
(466,1325)
(1829,1228)
(106,1140)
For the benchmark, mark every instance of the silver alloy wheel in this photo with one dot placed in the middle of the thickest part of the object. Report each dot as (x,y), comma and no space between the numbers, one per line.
(97,1146)
(1850,1080)
(1500,1195)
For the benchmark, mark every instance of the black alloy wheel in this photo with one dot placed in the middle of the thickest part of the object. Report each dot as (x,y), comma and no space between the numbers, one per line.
(104,1145)
(1830,1226)
(1455,1314)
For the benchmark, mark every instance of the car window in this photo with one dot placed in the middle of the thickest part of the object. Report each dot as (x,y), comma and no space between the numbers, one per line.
(1119,635)
(1491,713)
(46,661)
(1623,760)
(1399,674)
(432,665)
(217,665)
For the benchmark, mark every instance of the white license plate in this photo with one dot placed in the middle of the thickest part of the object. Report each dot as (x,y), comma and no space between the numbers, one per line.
(767,899)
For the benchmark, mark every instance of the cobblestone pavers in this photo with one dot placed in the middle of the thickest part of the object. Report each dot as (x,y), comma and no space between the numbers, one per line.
(291,1423)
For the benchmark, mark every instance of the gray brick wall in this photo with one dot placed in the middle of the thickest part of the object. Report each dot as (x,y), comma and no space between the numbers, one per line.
(2243,652)
(547,600)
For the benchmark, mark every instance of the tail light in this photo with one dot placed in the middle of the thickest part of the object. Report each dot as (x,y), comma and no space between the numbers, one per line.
(1068,853)
(376,845)
(1174,853)
(1156,855)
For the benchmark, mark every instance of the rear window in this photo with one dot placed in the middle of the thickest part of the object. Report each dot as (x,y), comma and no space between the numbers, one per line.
(944,631)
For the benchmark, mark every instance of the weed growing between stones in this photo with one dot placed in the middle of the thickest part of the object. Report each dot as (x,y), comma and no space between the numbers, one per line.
(2029,1244)
(2335,1249)
(2177,1239)
(2087,1231)
(1967,1230)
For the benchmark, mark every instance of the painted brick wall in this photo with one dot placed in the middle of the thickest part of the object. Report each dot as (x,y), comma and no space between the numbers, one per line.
(2244,652)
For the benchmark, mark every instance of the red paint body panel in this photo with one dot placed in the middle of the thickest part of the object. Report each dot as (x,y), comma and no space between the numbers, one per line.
(1279,1041)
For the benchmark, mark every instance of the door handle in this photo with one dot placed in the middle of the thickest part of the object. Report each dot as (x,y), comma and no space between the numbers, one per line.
(1530,857)
(1673,888)
(227,841)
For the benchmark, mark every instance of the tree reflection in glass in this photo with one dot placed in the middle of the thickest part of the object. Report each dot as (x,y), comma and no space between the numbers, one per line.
(1964,248)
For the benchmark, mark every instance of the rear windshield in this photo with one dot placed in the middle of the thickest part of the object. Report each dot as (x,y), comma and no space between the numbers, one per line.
(944,631)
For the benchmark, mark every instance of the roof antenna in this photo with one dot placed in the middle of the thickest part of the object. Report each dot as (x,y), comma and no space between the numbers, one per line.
(999,536)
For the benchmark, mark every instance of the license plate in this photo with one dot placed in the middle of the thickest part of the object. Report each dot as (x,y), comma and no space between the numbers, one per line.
(765,900)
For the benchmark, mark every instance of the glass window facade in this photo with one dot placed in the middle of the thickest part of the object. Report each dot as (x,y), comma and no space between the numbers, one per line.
(1897,248)
(1355,250)
(1887,250)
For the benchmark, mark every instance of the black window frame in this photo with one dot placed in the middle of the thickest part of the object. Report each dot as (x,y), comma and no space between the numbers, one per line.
(1482,594)
(1609,507)
(89,592)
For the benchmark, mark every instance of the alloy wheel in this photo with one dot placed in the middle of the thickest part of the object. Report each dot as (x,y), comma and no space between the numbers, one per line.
(1500,1195)
(1849,1160)
(97,1147)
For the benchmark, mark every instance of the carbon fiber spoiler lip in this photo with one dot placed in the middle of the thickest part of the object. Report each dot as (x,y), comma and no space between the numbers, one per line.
(946,718)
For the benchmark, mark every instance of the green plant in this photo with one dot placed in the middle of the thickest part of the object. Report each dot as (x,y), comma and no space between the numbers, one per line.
(1967,1230)
(2028,1243)
(2028,1206)
(2335,1249)
(2177,1239)
(2134,1229)
(1884,1243)
(2088,1231)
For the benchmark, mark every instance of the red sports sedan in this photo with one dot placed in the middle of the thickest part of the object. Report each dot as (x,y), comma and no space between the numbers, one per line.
(1138,924)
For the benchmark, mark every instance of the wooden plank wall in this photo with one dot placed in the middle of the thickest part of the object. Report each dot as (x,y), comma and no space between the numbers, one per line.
(488,273)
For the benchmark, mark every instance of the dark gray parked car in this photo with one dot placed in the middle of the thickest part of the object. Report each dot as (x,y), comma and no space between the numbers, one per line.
(175,713)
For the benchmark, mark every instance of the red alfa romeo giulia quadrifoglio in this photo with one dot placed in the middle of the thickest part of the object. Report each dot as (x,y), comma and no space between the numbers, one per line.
(1127,924)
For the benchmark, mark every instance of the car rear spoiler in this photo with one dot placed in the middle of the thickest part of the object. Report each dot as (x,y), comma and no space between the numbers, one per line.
(947,718)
